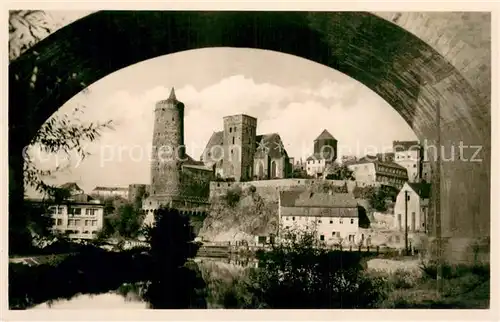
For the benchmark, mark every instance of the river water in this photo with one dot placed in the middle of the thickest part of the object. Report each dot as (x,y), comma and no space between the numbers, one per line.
(129,296)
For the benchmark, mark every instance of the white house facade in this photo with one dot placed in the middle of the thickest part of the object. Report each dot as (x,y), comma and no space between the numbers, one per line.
(316,167)
(413,212)
(370,171)
(333,216)
(408,154)
(81,218)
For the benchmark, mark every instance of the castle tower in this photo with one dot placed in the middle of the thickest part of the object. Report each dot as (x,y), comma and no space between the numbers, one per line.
(239,146)
(168,148)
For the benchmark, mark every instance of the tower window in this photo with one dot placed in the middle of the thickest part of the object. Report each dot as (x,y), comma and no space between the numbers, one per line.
(233,140)
(230,129)
(172,118)
(235,129)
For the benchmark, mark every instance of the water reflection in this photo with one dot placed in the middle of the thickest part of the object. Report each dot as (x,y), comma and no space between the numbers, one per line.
(201,284)
(110,300)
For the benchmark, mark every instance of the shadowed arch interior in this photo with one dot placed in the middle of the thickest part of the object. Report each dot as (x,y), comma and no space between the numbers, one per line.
(401,68)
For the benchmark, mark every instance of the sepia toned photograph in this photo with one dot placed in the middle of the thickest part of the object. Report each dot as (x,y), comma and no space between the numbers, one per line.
(204,159)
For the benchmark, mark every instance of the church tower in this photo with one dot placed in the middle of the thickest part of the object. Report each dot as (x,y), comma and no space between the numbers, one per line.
(239,146)
(168,148)
(325,146)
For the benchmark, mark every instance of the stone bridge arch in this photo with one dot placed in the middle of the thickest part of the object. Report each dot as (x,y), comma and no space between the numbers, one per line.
(415,61)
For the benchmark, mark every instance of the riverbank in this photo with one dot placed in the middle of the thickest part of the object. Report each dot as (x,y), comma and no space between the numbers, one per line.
(224,282)
(92,271)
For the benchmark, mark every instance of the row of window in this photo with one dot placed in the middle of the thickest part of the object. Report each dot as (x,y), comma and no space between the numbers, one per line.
(390,170)
(412,220)
(319,221)
(248,129)
(85,232)
(309,169)
(74,211)
(77,222)
(409,156)
(316,161)
(389,179)
(350,238)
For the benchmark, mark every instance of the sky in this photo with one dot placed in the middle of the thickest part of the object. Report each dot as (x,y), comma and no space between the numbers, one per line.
(288,95)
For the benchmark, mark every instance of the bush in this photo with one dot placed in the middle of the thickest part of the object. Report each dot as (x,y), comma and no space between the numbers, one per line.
(404,279)
(251,189)
(299,273)
(92,270)
(233,196)
(454,271)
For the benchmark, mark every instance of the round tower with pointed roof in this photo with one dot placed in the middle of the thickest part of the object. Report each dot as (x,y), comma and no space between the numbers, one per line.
(168,148)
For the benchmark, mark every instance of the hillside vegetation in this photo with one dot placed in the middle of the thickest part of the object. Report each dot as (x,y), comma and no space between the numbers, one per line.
(240,215)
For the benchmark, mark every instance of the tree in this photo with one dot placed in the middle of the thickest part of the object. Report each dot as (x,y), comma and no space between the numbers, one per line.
(26,28)
(64,134)
(125,222)
(300,174)
(129,221)
(377,199)
(61,133)
(109,206)
(338,171)
(233,196)
(298,272)
(171,241)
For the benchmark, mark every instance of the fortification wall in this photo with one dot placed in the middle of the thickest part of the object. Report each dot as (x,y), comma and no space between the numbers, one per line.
(269,189)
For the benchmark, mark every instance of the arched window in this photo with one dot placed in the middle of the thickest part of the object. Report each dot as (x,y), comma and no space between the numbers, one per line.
(274,171)
(260,171)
